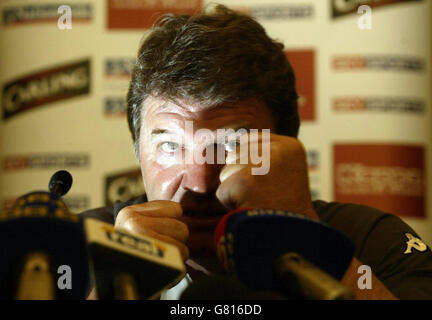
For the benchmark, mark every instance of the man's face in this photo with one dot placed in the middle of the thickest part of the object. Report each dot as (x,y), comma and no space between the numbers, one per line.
(167,145)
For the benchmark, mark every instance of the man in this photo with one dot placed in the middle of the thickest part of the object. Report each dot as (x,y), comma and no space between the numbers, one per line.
(220,70)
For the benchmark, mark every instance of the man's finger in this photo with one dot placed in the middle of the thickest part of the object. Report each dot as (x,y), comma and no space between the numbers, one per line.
(134,227)
(184,250)
(157,208)
(229,170)
(167,226)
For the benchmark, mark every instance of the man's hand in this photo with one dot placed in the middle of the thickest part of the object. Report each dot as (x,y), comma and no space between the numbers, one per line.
(285,186)
(158,219)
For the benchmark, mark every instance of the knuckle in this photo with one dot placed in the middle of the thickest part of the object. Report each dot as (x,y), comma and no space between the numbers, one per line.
(123,215)
(297,146)
(165,207)
(184,230)
(290,147)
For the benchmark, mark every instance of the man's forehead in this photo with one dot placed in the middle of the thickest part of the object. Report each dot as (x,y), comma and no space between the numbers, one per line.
(155,107)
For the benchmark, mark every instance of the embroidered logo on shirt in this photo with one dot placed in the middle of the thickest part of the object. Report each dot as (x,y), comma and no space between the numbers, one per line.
(415,243)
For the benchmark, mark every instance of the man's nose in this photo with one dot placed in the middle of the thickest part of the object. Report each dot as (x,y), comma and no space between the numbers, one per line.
(202,177)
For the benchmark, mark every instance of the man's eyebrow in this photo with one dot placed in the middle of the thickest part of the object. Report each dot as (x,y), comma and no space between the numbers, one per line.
(159,131)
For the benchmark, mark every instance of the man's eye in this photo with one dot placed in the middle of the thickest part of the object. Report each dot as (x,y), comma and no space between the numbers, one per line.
(169,147)
(231,146)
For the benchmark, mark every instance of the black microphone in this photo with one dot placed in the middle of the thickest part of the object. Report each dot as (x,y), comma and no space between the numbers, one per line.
(60,183)
(43,253)
(277,250)
(128,266)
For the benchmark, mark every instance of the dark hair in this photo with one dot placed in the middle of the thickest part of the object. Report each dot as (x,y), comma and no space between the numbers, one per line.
(211,58)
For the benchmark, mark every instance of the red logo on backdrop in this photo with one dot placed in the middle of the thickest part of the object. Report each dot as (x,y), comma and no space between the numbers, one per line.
(387,177)
(344,7)
(141,14)
(303,62)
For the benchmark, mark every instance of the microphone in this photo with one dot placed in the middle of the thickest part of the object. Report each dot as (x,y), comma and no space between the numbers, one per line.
(60,183)
(278,250)
(127,266)
(38,236)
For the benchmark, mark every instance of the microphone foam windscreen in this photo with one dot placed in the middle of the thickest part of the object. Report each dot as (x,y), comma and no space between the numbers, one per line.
(254,239)
(39,221)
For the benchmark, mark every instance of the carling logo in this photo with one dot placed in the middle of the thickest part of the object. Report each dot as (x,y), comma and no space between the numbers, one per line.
(391,178)
(344,7)
(46,86)
(47,12)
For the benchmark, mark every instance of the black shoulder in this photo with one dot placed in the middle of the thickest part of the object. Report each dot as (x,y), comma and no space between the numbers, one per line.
(354,220)
(105,214)
(383,241)
(109,213)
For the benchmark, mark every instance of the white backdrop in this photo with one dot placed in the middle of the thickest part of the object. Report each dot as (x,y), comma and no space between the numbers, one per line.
(383,73)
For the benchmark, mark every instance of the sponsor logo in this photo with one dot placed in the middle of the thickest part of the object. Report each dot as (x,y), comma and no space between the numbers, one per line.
(123,186)
(279,11)
(77,202)
(115,106)
(46,161)
(40,13)
(378,104)
(382,63)
(118,67)
(388,177)
(303,62)
(148,247)
(47,86)
(315,194)
(414,243)
(312,159)
(141,14)
(360,179)
(344,7)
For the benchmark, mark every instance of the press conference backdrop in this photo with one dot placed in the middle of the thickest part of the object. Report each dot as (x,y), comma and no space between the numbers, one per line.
(365,96)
